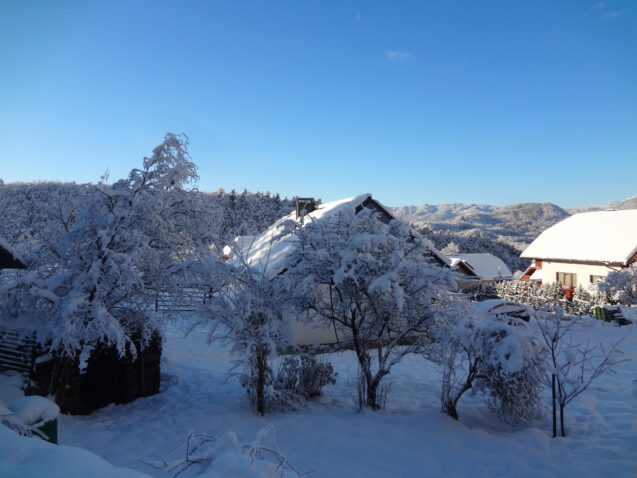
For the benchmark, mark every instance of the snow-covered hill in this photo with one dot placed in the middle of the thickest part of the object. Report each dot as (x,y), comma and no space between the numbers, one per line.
(517,224)
(630,203)
(502,231)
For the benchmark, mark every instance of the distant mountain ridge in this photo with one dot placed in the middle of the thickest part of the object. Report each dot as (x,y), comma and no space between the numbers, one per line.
(630,203)
(517,225)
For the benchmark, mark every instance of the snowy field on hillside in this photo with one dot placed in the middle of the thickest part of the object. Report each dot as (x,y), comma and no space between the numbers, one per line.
(409,438)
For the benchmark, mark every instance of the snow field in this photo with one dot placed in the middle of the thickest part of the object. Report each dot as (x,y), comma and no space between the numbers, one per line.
(411,438)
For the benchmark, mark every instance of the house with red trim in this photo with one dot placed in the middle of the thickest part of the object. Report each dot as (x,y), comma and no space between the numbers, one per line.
(582,249)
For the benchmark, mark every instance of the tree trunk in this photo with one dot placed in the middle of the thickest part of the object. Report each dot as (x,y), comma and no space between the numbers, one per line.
(450,409)
(562,420)
(260,385)
(554,405)
(372,392)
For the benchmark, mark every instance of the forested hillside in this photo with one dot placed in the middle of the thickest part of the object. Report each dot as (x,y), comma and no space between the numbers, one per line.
(33,214)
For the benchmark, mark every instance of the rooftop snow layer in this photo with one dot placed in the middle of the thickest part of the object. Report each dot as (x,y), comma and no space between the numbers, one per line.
(487,266)
(270,251)
(600,236)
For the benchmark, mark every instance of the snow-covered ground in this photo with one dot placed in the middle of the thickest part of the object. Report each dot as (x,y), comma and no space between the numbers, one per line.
(410,438)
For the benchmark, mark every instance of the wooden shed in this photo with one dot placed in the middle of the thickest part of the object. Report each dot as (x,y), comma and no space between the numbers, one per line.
(81,387)
(78,385)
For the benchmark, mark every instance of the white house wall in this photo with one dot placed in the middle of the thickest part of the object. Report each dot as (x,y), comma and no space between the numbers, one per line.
(301,332)
(583,271)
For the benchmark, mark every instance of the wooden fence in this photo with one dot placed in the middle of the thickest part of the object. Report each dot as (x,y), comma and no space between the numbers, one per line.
(17,349)
(188,300)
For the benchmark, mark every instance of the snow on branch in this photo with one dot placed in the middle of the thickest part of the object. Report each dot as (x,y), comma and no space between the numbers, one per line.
(225,456)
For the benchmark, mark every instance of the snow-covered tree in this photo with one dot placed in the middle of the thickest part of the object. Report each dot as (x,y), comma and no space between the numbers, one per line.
(33,216)
(96,284)
(245,311)
(451,249)
(572,365)
(377,283)
(497,357)
(621,286)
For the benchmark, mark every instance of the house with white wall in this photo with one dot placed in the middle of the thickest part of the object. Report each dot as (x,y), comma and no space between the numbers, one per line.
(270,253)
(583,248)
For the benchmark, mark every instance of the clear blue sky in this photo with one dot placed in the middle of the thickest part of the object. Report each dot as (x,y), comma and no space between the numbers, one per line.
(416,102)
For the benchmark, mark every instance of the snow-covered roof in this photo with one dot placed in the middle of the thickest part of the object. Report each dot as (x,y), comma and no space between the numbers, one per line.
(485,265)
(271,249)
(8,257)
(239,243)
(462,266)
(600,236)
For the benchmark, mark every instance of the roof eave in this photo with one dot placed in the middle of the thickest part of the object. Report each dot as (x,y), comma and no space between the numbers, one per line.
(576,261)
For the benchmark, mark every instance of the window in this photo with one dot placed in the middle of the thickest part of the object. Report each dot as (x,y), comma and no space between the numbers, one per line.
(566,279)
(596,279)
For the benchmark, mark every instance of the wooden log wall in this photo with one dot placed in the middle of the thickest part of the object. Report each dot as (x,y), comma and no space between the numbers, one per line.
(106,379)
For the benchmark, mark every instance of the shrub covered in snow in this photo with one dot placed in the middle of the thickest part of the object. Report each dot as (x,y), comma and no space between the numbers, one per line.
(480,292)
(304,375)
(497,357)
(621,286)
(552,295)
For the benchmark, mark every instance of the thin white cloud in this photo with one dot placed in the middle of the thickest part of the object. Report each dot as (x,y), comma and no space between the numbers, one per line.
(611,14)
(396,56)
(599,5)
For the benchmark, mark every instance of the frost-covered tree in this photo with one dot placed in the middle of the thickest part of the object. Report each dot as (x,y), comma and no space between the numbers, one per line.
(451,249)
(96,284)
(33,216)
(496,357)
(572,365)
(621,286)
(245,311)
(377,283)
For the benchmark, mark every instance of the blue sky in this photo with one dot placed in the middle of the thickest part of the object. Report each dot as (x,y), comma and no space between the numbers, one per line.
(491,102)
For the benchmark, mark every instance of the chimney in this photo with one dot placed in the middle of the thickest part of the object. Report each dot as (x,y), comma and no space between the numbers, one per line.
(307,204)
